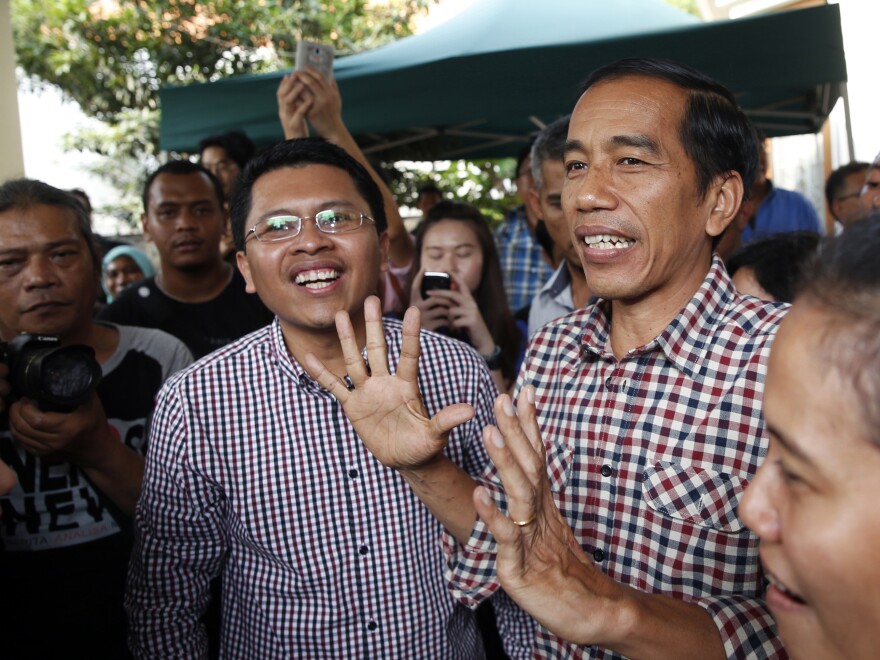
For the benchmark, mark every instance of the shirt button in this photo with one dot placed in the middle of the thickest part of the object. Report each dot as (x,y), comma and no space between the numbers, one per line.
(353,473)
(608,382)
(363,550)
(607,471)
(372,625)
(598,555)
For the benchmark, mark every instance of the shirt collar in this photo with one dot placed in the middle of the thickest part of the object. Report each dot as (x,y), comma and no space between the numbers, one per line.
(687,339)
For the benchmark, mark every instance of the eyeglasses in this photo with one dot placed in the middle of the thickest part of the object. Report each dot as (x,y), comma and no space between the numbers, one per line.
(857,193)
(870,186)
(284,227)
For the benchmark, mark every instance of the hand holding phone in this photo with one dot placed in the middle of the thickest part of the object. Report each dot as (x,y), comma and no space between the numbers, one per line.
(318,56)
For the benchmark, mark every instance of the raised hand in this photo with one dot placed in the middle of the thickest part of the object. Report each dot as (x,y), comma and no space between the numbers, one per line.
(293,106)
(540,564)
(325,110)
(386,409)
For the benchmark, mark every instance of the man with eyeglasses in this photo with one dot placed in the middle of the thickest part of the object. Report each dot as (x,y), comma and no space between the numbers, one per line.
(869,195)
(195,296)
(842,191)
(255,473)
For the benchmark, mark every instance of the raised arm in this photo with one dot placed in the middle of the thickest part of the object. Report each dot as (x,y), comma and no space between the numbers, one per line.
(543,568)
(306,93)
(388,414)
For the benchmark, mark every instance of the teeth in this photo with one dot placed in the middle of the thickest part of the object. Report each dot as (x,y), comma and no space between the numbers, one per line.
(784,589)
(607,242)
(317,279)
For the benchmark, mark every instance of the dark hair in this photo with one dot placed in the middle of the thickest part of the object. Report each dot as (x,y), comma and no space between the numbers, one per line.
(549,145)
(524,153)
(838,177)
(295,154)
(238,146)
(778,261)
(83,198)
(715,133)
(181,167)
(489,296)
(25,193)
(845,283)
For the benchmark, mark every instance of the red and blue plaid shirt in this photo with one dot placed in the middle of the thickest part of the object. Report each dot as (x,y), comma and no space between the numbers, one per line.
(254,472)
(648,456)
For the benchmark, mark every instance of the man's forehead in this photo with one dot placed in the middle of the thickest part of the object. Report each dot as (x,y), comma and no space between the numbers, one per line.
(181,187)
(39,224)
(305,183)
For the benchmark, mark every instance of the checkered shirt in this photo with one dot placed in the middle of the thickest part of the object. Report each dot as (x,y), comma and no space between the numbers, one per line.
(254,472)
(522,263)
(648,457)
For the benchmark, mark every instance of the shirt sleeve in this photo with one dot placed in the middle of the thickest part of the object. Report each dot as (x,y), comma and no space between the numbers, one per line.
(746,626)
(179,543)
(515,627)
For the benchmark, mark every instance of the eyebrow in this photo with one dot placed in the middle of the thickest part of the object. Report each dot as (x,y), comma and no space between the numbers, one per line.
(637,141)
(325,206)
(789,446)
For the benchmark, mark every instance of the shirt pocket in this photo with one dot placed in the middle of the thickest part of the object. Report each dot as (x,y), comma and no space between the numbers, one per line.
(695,494)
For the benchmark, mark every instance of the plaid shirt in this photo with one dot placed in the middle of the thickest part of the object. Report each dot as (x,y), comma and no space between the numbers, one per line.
(522,263)
(648,457)
(255,472)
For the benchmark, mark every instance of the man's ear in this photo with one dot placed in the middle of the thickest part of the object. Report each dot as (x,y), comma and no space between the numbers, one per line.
(146,226)
(533,201)
(245,269)
(724,197)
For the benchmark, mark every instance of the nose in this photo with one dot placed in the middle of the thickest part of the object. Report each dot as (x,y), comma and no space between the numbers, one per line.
(41,273)
(591,189)
(311,239)
(757,508)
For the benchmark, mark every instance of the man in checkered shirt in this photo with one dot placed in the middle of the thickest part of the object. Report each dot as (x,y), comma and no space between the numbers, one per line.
(638,419)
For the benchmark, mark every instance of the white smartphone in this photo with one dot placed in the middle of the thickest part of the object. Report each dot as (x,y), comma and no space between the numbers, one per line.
(318,56)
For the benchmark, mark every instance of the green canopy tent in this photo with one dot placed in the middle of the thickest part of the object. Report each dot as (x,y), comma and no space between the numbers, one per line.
(478,84)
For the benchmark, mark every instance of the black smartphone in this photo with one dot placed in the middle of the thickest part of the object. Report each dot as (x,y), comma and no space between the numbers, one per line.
(435,280)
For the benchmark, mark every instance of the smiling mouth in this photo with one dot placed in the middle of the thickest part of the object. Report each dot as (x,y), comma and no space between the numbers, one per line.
(608,242)
(317,279)
(782,587)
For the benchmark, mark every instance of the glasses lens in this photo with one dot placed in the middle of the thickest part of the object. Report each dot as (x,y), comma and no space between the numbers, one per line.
(334,222)
(278,228)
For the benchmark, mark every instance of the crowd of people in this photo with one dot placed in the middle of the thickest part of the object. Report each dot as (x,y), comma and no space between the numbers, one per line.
(639,420)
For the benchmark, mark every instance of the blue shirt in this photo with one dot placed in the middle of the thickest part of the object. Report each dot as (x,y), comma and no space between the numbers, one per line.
(782,211)
(523,267)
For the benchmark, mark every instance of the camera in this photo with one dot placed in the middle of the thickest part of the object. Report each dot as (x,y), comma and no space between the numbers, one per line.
(59,378)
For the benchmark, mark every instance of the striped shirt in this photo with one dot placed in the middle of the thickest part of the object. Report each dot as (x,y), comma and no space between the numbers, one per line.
(648,457)
(523,267)
(254,472)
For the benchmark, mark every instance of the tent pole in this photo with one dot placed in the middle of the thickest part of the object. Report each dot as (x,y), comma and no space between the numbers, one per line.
(849,133)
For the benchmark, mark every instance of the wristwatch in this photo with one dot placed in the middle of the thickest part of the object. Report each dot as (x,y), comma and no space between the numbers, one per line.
(493,361)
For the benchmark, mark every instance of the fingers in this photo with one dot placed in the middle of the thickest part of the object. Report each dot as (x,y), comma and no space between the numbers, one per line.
(522,493)
(377,349)
(504,531)
(521,443)
(325,378)
(351,352)
(408,365)
(450,417)
(528,419)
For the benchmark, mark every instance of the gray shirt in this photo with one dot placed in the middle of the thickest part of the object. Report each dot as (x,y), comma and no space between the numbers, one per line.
(552,301)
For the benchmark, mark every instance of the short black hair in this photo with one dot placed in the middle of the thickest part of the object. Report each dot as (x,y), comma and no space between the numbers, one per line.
(238,146)
(524,153)
(778,261)
(715,132)
(300,153)
(24,193)
(549,145)
(180,167)
(837,177)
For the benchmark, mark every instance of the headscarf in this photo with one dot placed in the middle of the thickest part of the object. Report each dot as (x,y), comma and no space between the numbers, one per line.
(138,256)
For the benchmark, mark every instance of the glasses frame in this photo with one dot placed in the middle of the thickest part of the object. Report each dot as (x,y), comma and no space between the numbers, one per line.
(302,219)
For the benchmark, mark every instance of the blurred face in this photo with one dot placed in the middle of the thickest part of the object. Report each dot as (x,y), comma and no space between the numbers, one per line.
(846,207)
(814,500)
(451,246)
(630,193)
(215,160)
(185,220)
(306,279)
(121,272)
(48,281)
(549,209)
(7,478)
(869,198)
(746,282)
(427,200)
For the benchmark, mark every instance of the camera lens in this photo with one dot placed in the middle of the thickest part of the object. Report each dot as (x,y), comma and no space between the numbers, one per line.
(66,374)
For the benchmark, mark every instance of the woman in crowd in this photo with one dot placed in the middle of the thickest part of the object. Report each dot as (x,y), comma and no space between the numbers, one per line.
(124,265)
(813,502)
(454,238)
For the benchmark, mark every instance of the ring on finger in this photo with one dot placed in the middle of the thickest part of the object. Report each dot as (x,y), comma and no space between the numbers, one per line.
(527,521)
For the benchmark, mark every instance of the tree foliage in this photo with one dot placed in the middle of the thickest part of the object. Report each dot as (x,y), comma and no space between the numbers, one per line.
(112,56)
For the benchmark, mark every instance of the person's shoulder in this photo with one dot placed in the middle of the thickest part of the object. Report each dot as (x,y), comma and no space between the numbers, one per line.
(753,315)
(157,343)
(132,304)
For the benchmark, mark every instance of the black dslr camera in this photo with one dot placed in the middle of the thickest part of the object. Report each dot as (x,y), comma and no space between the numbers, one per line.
(59,378)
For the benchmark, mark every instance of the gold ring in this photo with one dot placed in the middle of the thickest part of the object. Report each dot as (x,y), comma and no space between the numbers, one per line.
(527,521)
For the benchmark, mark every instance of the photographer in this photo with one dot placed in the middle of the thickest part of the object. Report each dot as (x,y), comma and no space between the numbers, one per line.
(65,526)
